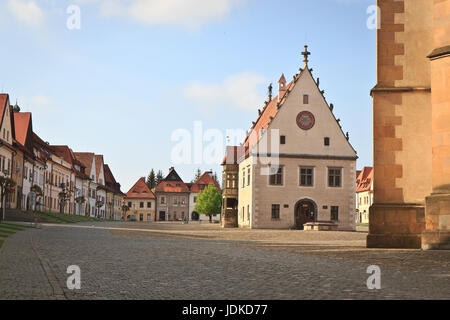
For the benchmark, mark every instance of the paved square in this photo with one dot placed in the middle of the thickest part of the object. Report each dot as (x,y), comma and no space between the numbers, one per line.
(174,261)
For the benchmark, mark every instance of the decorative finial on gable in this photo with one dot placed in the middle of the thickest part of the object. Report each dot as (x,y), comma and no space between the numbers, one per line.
(270,92)
(305,54)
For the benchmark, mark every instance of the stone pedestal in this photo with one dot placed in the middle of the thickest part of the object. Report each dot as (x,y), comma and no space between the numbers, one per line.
(321,226)
(437,233)
(396,226)
(230,219)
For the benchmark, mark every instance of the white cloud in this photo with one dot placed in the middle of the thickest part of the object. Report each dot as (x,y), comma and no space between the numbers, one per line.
(189,13)
(27,12)
(39,104)
(239,91)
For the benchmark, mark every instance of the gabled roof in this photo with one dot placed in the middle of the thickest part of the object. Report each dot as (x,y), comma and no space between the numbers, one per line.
(172,183)
(4,98)
(109,177)
(265,118)
(365,180)
(4,103)
(22,127)
(86,159)
(272,107)
(140,190)
(42,147)
(63,152)
(205,180)
(98,165)
(110,181)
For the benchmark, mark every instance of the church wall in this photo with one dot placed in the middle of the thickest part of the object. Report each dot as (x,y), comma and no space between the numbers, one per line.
(402,124)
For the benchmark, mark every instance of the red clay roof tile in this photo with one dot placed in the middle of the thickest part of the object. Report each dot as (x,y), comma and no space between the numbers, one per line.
(140,191)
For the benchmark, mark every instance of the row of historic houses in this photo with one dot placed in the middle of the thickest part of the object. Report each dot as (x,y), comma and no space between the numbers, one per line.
(171,200)
(50,178)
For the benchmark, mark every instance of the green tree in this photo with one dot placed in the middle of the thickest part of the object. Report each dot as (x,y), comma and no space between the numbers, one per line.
(209,202)
(151,180)
(197,176)
(159,177)
(6,187)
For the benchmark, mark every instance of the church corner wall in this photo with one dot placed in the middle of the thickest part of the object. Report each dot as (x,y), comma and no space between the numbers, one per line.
(402,124)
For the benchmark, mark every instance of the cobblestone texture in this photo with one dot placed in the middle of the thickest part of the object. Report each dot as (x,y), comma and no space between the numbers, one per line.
(175,263)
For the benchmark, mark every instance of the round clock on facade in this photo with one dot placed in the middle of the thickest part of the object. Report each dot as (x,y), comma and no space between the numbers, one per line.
(306,120)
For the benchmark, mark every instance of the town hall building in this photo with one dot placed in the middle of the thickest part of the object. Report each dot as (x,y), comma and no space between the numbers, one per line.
(297,168)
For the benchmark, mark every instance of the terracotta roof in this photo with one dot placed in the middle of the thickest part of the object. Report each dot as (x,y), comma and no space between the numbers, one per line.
(4,98)
(271,109)
(86,159)
(205,180)
(63,152)
(41,146)
(140,190)
(265,117)
(365,180)
(98,164)
(110,181)
(22,121)
(109,177)
(268,113)
(172,183)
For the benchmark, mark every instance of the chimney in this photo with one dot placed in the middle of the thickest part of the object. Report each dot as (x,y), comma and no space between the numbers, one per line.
(281,87)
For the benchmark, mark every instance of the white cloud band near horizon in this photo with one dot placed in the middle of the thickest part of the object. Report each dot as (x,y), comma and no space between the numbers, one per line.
(188,13)
(27,12)
(240,91)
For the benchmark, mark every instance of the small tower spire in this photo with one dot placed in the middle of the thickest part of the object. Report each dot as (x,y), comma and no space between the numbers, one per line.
(281,87)
(306,53)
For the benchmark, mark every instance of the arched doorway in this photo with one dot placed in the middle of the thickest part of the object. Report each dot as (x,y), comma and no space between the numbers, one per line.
(195,216)
(305,212)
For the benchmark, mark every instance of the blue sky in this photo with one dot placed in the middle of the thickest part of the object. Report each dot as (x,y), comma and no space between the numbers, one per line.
(138,70)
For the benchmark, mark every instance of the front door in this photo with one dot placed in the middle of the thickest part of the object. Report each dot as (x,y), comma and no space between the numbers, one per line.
(305,213)
(162,216)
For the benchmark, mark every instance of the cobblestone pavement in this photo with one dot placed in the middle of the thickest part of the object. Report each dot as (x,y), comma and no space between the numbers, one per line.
(191,262)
